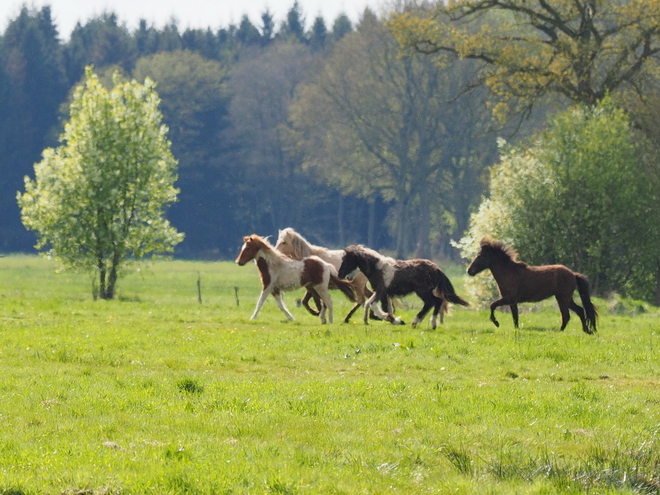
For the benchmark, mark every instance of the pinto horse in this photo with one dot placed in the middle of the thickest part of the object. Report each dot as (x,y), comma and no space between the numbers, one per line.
(518,282)
(280,273)
(390,278)
(295,245)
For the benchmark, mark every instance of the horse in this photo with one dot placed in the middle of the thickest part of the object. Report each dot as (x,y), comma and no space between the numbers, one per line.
(390,278)
(295,245)
(519,282)
(280,273)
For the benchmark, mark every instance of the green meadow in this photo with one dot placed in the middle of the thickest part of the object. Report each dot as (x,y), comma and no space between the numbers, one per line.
(157,393)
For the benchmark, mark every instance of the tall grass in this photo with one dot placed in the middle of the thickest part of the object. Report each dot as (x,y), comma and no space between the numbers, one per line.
(157,393)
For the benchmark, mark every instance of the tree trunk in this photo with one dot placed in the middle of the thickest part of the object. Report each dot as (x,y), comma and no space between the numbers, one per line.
(400,229)
(101,268)
(340,220)
(423,248)
(657,286)
(371,226)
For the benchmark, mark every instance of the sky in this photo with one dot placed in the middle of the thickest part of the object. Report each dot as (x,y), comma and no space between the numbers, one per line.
(188,13)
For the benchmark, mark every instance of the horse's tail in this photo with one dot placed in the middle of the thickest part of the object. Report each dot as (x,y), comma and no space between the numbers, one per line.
(343,285)
(445,290)
(589,308)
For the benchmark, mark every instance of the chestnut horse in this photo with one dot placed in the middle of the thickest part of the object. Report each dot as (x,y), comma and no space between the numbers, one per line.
(390,278)
(280,273)
(295,245)
(518,282)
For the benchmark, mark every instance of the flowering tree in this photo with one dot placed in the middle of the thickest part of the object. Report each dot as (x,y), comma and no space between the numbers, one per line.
(98,199)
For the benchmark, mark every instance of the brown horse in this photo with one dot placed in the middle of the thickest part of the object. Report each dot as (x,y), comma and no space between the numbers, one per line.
(519,282)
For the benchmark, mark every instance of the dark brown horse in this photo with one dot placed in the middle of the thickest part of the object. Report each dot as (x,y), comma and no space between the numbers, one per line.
(390,278)
(518,282)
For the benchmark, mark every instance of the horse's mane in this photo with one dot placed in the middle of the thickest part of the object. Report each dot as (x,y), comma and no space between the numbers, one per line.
(360,250)
(266,246)
(301,246)
(498,248)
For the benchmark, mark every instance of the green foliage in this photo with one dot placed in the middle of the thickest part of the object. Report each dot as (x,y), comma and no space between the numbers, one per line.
(581,196)
(581,51)
(377,124)
(163,395)
(98,198)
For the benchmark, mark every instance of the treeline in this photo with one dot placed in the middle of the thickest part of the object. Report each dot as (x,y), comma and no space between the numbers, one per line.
(246,106)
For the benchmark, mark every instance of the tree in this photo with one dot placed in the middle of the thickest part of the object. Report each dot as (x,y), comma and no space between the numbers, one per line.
(584,196)
(194,102)
(341,27)
(247,33)
(377,124)
(318,34)
(33,85)
(294,27)
(275,192)
(98,198)
(581,50)
(102,41)
(267,27)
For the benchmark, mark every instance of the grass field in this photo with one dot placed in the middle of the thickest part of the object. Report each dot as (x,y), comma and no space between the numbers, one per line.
(155,393)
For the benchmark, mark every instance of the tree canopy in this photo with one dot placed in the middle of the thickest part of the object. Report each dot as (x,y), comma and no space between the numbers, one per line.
(579,49)
(98,199)
(378,124)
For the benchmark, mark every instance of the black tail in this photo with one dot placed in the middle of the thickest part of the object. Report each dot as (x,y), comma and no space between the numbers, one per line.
(445,290)
(344,286)
(589,308)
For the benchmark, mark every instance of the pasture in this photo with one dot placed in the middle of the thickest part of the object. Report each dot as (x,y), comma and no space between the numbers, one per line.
(155,393)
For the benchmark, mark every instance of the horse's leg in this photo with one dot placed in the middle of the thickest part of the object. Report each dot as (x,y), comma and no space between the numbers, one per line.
(362,294)
(494,305)
(367,305)
(564,304)
(429,302)
(311,294)
(514,314)
(326,302)
(360,298)
(260,302)
(578,310)
(280,304)
(388,302)
(440,307)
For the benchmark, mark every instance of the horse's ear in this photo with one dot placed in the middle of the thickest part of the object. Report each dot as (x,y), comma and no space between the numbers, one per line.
(246,238)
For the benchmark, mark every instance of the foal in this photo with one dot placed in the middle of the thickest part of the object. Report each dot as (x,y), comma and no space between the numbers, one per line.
(280,273)
(518,282)
(295,245)
(390,278)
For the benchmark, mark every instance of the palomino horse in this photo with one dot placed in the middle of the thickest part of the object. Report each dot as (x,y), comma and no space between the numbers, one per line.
(295,245)
(280,273)
(518,282)
(390,278)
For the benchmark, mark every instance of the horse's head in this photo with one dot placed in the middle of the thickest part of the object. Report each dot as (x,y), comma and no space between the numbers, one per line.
(479,264)
(284,242)
(350,262)
(491,251)
(252,244)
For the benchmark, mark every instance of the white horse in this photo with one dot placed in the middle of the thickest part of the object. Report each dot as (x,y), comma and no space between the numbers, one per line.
(279,273)
(295,245)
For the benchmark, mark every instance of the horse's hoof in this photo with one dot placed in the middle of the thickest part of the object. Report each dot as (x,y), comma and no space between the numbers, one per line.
(497,323)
